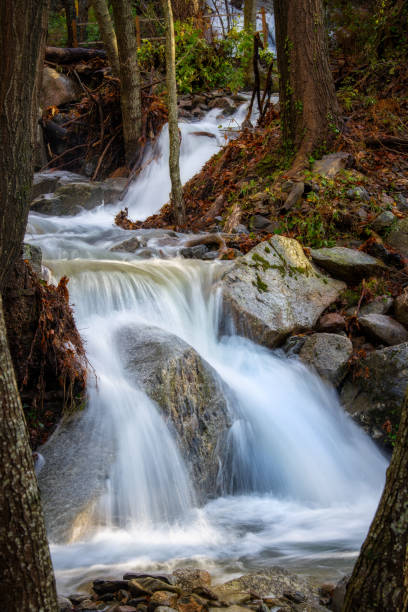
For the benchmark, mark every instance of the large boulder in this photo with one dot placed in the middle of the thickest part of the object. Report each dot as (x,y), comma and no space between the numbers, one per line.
(374,394)
(274,291)
(57,89)
(189,394)
(70,199)
(328,354)
(348,264)
(49,180)
(383,328)
(77,459)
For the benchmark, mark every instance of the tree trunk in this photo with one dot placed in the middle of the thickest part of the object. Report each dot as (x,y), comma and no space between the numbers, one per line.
(130,92)
(22,38)
(177,201)
(107,33)
(250,27)
(185,9)
(27,580)
(69,16)
(309,109)
(380,577)
(83,7)
(62,55)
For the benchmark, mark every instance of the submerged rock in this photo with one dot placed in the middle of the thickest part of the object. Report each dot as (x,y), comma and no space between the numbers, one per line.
(328,354)
(375,393)
(275,291)
(189,393)
(348,264)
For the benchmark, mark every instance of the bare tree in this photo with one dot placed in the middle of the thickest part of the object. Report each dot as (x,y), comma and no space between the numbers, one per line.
(174,136)
(130,91)
(108,35)
(27,580)
(380,577)
(309,109)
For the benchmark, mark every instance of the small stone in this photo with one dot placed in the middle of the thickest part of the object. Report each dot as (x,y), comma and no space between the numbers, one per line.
(293,345)
(195,252)
(188,579)
(240,229)
(402,202)
(295,195)
(163,609)
(64,604)
(77,598)
(401,307)
(86,605)
(386,200)
(189,603)
(358,193)
(383,222)
(258,222)
(398,237)
(384,328)
(332,322)
(380,305)
(128,246)
(328,354)
(33,254)
(124,608)
(331,164)
(296,597)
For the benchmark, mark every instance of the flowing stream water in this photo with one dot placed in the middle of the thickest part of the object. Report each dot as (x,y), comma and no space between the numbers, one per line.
(303,480)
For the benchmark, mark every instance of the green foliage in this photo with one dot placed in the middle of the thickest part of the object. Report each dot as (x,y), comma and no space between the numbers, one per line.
(57,29)
(201,65)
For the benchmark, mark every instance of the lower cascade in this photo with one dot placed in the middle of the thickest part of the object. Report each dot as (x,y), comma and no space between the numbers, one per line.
(194,444)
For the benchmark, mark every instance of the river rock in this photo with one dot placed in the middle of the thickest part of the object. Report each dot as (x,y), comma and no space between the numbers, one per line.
(129,246)
(383,222)
(328,354)
(57,89)
(398,237)
(380,305)
(48,181)
(189,579)
(69,199)
(401,307)
(348,264)
(33,254)
(332,322)
(182,383)
(375,393)
(163,598)
(64,604)
(331,164)
(383,328)
(271,582)
(77,460)
(274,291)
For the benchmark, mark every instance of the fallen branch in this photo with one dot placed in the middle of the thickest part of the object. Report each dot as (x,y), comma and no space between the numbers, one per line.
(68,55)
(392,142)
(209,239)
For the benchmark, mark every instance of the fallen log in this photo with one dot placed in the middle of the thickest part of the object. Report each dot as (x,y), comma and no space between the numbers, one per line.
(392,142)
(209,240)
(61,55)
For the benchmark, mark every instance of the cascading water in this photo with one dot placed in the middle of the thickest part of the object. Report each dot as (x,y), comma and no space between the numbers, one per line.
(299,480)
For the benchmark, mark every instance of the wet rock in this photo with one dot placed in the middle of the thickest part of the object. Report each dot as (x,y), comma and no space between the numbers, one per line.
(274,291)
(332,322)
(180,381)
(113,189)
(194,252)
(348,264)
(331,164)
(383,222)
(33,254)
(153,584)
(328,354)
(380,305)
(211,256)
(101,586)
(383,328)
(398,237)
(124,608)
(293,345)
(64,604)
(69,199)
(376,392)
(163,598)
(128,246)
(43,183)
(77,598)
(88,605)
(47,204)
(401,307)
(191,603)
(189,579)
(164,609)
(57,89)
(164,578)
(295,597)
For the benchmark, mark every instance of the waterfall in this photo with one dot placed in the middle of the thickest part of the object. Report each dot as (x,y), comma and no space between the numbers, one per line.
(298,479)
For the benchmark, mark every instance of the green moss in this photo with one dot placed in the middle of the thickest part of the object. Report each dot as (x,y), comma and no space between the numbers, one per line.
(259,260)
(260,285)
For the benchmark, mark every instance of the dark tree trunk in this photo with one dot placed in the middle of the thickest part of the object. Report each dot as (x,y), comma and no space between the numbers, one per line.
(309,109)
(108,35)
(69,17)
(380,577)
(130,92)
(62,55)
(83,8)
(22,36)
(27,580)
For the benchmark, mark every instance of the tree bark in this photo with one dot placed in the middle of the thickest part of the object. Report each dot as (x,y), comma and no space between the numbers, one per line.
(62,55)
(177,201)
(130,91)
(22,38)
(83,8)
(380,577)
(108,35)
(27,579)
(309,108)
(69,17)
(250,27)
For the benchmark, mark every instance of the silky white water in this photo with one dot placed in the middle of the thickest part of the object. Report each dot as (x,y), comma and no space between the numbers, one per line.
(300,481)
